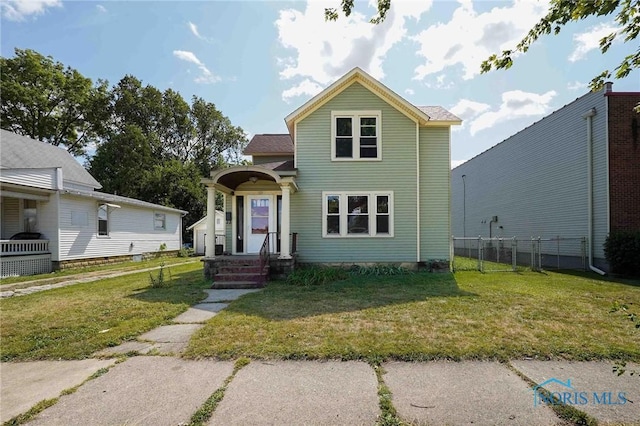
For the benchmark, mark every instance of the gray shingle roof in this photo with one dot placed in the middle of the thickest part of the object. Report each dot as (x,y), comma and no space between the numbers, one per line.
(437,113)
(270,144)
(22,152)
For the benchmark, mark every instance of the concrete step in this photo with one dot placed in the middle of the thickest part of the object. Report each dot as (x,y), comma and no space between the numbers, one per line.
(237,284)
(248,276)
(236,269)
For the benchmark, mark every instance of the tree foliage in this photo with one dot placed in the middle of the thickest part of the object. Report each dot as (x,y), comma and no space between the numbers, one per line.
(150,145)
(559,14)
(46,101)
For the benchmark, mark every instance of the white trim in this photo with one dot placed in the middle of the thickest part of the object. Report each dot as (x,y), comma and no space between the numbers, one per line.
(371,84)
(343,213)
(355,116)
(418,236)
(295,145)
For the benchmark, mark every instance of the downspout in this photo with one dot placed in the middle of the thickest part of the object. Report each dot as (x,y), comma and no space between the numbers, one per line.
(589,116)
(417,192)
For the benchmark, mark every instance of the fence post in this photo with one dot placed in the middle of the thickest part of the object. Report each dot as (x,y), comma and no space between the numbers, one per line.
(584,252)
(452,251)
(533,254)
(540,254)
(558,252)
(480,253)
(514,253)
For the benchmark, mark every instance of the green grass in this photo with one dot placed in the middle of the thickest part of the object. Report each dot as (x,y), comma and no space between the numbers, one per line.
(63,275)
(75,321)
(467,315)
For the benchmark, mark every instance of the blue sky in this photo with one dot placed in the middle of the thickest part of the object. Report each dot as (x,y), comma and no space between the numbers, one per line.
(259,60)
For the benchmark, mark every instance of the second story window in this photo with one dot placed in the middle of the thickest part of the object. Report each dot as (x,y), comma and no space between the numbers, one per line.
(356,135)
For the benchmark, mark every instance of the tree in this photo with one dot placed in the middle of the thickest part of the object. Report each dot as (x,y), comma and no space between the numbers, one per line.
(560,13)
(563,11)
(46,101)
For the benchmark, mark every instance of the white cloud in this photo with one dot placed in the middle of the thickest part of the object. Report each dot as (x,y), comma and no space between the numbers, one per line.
(323,51)
(410,92)
(101,8)
(206,76)
(515,104)
(18,10)
(590,40)
(467,110)
(576,85)
(194,30)
(306,87)
(469,37)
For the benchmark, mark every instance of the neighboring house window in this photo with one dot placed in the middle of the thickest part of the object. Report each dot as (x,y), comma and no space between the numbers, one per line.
(357,214)
(103,220)
(356,135)
(30,216)
(159,221)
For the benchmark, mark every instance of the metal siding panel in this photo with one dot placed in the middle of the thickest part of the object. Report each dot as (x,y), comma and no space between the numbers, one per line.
(536,180)
(316,173)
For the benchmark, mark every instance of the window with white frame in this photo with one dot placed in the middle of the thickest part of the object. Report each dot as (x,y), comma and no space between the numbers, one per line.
(355,135)
(357,214)
(103,220)
(159,222)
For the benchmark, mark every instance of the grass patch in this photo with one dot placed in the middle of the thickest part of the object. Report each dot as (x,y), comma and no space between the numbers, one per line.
(421,316)
(76,321)
(59,276)
(29,415)
(564,411)
(205,412)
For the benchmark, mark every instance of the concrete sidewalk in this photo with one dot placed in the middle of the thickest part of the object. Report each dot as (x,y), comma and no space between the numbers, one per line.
(162,390)
(151,390)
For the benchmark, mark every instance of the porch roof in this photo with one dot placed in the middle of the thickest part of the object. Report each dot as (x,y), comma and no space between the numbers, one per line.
(230,178)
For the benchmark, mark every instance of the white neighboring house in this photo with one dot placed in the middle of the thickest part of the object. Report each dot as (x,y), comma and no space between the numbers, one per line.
(200,231)
(47,194)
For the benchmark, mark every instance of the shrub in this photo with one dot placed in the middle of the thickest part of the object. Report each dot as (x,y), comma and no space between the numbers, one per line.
(622,250)
(159,281)
(378,270)
(185,252)
(316,275)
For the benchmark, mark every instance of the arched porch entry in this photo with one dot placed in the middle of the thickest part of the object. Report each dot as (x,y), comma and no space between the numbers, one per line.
(257,202)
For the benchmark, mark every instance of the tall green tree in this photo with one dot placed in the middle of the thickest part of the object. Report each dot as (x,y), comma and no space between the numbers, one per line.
(46,101)
(560,13)
(214,138)
(120,162)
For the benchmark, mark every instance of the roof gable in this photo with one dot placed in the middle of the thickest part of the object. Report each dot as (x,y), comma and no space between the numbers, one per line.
(23,152)
(358,75)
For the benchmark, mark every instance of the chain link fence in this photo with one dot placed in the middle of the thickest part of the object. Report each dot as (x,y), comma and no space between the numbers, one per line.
(509,254)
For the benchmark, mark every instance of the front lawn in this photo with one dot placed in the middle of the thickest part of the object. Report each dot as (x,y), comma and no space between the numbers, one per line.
(73,322)
(467,315)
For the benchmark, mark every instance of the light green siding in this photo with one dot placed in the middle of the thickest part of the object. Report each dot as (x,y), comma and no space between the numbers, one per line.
(435,229)
(317,173)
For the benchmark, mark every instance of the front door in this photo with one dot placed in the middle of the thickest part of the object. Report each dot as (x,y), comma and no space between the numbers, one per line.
(259,220)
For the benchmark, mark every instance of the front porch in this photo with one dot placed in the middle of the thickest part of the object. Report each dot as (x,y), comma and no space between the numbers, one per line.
(257,212)
(24,257)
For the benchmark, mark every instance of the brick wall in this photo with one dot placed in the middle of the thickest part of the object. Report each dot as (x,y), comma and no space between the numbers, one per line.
(624,162)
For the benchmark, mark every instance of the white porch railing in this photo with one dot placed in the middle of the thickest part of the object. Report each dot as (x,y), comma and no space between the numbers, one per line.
(24,257)
(23,247)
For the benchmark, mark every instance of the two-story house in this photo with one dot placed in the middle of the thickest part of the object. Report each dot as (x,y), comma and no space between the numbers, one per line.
(362,176)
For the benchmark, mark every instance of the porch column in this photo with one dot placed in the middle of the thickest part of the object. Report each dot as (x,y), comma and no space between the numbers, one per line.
(285,251)
(210,240)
